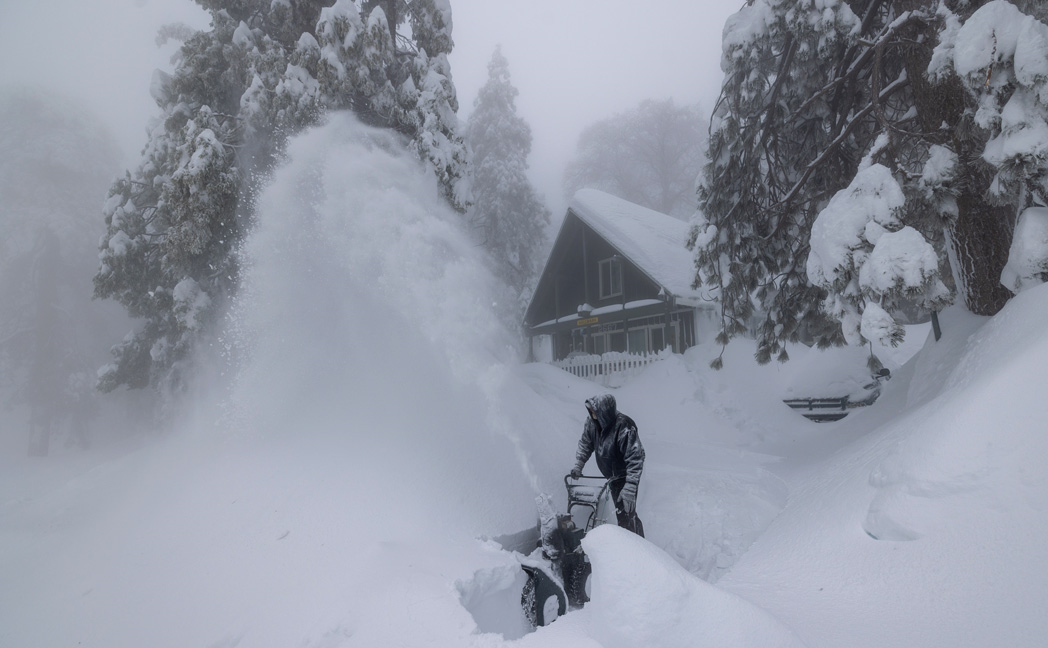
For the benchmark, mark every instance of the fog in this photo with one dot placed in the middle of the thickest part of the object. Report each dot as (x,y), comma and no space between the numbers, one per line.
(573,62)
(337,476)
(577,62)
(90,62)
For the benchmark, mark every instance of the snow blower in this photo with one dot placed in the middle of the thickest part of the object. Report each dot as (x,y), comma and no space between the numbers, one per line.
(558,570)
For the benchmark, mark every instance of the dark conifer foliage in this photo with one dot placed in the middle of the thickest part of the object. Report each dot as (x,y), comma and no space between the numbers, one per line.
(263,72)
(829,105)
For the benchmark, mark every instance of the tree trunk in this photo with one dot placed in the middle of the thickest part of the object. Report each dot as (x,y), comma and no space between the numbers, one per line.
(980,235)
(979,241)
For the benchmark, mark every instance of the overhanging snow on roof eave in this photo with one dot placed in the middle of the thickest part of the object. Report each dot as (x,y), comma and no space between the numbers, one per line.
(695,301)
(691,300)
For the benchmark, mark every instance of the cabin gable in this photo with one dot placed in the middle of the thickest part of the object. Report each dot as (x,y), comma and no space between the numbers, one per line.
(592,298)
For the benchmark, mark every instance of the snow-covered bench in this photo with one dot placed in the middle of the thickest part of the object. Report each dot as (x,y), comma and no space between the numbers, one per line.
(834,409)
(820,409)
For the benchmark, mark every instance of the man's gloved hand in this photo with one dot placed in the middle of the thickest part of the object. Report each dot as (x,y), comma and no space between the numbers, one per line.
(575,473)
(628,504)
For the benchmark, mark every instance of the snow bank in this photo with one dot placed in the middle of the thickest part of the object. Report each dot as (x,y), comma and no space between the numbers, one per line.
(927,530)
(642,597)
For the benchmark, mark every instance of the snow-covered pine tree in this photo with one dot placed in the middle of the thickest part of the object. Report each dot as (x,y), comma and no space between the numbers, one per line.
(264,71)
(506,211)
(999,54)
(435,121)
(913,87)
(772,118)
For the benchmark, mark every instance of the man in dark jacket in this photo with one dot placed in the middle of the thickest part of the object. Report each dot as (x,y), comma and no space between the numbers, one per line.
(612,437)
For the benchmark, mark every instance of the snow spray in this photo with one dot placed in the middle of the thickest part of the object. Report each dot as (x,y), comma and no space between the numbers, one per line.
(365,317)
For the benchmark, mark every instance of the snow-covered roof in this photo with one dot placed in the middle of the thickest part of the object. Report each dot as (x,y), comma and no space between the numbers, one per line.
(652,240)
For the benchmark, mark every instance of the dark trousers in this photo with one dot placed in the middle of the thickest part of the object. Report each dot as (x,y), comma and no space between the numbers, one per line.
(626,520)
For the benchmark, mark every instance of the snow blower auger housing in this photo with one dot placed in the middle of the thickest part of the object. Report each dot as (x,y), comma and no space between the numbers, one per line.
(558,570)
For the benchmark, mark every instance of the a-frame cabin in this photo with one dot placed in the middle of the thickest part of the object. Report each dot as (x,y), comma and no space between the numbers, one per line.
(617,279)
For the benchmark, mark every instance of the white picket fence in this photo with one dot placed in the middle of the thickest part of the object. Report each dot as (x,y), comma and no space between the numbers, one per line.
(611,369)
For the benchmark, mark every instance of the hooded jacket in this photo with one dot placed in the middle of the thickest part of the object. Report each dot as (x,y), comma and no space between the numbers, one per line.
(613,438)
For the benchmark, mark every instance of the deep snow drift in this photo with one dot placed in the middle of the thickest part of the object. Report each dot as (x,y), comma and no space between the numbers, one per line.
(340,488)
(951,480)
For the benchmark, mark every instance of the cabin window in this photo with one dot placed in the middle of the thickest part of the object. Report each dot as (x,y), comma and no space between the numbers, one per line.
(610,278)
(658,341)
(638,341)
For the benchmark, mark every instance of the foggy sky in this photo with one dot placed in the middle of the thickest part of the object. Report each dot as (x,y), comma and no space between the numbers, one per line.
(574,61)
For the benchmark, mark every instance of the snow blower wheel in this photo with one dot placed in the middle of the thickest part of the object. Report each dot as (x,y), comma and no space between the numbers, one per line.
(542,600)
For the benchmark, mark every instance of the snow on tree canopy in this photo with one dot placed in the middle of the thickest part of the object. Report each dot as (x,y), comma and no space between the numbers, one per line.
(999,32)
(855,218)
(191,302)
(1028,258)
(878,326)
(340,21)
(903,259)
(869,262)
(1024,133)
(242,36)
(940,167)
(119,243)
(441,8)
(263,72)
(754,21)
(652,240)
(507,213)
(1002,55)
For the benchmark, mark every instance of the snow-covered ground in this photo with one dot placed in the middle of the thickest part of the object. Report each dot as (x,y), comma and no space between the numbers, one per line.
(341,488)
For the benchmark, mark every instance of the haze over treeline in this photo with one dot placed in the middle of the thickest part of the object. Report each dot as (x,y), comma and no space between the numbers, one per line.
(833,234)
(57,164)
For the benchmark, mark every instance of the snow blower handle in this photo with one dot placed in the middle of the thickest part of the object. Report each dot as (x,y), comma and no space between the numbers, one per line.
(570,477)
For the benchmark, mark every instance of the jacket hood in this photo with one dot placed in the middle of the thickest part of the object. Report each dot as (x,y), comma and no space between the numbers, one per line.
(603,407)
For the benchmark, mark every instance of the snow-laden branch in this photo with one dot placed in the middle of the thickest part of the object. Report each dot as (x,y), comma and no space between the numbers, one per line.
(870,46)
(889,90)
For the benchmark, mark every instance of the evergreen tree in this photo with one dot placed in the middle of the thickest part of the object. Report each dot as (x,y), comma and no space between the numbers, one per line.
(828,107)
(263,72)
(754,241)
(506,210)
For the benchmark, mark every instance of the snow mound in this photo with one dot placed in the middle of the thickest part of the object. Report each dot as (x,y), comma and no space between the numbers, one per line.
(642,597)
(927,530)
(974,449)
(492,597)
